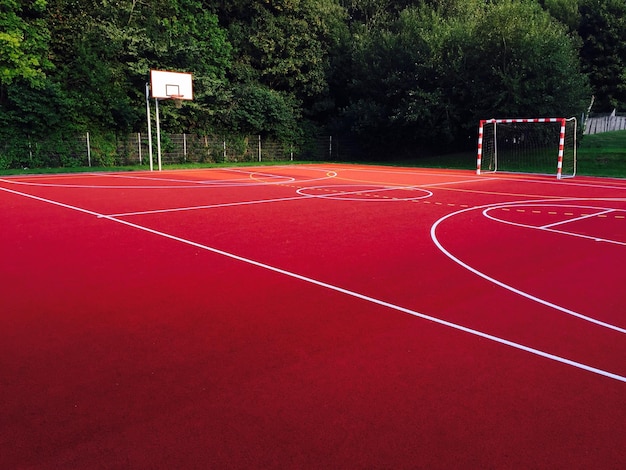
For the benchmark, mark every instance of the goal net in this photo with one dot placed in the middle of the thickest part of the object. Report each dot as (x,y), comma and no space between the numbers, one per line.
(542,145)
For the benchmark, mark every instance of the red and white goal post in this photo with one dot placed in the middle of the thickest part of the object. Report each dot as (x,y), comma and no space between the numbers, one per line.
(540,145)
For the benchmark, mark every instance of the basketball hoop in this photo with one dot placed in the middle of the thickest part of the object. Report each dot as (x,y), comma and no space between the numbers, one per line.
(178,100)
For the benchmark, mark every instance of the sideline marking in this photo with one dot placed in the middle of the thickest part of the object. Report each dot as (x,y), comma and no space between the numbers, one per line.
(211,206)
(486,207)
(341,290)
(403,185)
(217,182)
(580,181)
(185,184)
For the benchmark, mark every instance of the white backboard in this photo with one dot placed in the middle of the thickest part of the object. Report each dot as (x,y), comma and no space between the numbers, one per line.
(167,85)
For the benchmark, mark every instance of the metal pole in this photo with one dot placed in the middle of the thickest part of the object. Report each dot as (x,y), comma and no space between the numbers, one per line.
(149,124)
(259,147)
(479,157)
(158,129)
(559,166)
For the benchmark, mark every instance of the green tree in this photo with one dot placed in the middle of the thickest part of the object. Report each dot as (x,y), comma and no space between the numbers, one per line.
(285,47)
(532,64)
(603,31)
(27,97)
(24,40)
(260,110)
(438,70)
(105,50)
(566,11)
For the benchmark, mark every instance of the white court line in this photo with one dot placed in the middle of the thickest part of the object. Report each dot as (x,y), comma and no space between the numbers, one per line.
(234,181)
(416,171)
(582,217)
(341,290)
(493,176)
(186,184)
(569,182)
(445,183)
(92,186)
(381,188)
(302,195)
(114,186)
(547,228)
(586,237)
(210,206)
(251,173)
(490,177)
(486,207)
(187,181)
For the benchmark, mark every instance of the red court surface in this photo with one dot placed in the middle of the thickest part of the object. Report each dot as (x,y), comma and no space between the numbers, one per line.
(312,316)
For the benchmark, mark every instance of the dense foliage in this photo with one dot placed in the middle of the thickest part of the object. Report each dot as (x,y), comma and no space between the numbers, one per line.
(398,75)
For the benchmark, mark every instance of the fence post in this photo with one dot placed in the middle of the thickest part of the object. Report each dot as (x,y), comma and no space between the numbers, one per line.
(259,147)
(139,145)
(88,151)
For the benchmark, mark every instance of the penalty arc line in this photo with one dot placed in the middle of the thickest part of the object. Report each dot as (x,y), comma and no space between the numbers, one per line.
(438,244)
(334,288)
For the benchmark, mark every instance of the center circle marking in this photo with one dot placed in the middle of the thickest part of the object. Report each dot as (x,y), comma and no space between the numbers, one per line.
(366,192)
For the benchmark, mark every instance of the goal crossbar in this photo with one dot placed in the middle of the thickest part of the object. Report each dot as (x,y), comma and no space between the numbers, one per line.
(527,145)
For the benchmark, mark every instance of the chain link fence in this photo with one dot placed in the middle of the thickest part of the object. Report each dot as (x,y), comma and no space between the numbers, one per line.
(50,153)
(189,148)
(134,149)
